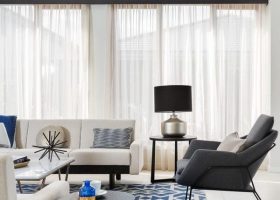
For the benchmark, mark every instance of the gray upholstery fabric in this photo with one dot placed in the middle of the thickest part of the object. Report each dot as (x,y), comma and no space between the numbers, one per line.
(261,128)
(181,164)
(196,171)
(112,138)
(255,151)
(200,144)
(201,160)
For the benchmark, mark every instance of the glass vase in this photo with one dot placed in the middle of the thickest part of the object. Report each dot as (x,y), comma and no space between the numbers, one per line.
(86,191)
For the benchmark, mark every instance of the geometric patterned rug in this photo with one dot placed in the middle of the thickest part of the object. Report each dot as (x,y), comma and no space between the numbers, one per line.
(161,191)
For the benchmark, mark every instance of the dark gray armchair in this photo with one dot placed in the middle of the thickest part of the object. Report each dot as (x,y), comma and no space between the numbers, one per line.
(203,167)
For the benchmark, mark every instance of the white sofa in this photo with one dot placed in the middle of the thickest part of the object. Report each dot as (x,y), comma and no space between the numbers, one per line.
(79,134)
(53,191)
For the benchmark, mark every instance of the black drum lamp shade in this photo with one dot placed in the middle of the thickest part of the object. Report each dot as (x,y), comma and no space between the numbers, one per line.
(173,98)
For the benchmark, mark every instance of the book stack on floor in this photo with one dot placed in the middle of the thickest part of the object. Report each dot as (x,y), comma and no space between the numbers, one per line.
(20,161)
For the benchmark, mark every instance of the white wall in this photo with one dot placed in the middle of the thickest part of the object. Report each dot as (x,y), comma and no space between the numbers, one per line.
(274,6)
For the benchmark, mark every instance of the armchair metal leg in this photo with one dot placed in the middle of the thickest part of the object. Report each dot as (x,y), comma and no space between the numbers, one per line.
(253,185)
(257,196)
(187,190)
(190,193)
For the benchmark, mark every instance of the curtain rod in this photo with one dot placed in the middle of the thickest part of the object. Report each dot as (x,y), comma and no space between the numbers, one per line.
(134,1)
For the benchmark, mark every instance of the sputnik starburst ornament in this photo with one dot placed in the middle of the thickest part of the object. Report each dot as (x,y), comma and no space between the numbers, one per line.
(52,146)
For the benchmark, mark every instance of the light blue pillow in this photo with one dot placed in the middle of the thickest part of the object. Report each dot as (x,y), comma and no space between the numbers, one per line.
(10,125)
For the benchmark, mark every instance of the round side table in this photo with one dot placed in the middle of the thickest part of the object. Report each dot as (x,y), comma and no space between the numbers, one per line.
(187,138)
(111,195)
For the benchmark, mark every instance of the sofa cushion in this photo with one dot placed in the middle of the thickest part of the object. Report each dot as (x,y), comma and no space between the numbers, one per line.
(6,150)
(101,156)
(10,125)
(71,128)
(231,143)
(87,137)
(260,130)
(112,138)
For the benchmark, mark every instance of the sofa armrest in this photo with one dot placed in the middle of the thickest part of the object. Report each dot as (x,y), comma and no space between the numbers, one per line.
(54,191)
(136,161)
(200,144)
(203,160)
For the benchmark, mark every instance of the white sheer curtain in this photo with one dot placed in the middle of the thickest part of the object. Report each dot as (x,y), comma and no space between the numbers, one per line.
(70,61)
(222,51)
(44,61)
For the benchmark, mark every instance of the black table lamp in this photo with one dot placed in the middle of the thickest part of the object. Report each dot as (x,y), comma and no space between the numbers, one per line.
(173,98)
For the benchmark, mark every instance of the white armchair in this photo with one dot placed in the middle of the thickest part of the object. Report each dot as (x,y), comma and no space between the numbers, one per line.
(53,191)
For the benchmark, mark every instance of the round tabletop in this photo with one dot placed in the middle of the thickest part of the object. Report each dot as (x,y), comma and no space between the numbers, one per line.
(111,195)
(161,138)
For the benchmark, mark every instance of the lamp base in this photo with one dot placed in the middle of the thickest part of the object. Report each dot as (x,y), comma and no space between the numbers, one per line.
(173,127)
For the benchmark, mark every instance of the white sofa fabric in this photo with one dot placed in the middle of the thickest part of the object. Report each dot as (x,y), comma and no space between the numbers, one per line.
(30,152)
(53,191)
(80,137)
(71,128)
(101,156)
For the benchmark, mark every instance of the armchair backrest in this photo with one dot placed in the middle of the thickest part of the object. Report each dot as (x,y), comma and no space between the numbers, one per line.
(7,178)
(254,155)
(259,131)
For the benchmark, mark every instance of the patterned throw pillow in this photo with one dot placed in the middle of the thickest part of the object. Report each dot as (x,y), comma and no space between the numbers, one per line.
(41,140)
(112,138)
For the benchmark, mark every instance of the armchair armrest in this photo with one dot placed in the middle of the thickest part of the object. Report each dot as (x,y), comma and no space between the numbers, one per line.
(201,161)
(136,161)
(200,144)
(53,191)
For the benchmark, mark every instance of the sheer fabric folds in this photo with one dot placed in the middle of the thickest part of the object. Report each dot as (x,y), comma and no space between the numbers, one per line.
(222,51)
(102,61)
(44,61)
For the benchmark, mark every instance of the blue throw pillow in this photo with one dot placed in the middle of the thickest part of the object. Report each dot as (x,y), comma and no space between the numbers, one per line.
(10,125)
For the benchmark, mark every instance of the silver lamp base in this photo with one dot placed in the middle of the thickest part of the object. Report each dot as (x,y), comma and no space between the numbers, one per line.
(173,127)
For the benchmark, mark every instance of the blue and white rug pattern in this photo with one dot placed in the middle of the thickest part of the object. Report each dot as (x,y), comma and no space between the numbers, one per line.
(162,191)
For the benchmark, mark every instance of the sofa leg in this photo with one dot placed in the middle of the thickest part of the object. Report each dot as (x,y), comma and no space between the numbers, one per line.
(118,177)
(112,181)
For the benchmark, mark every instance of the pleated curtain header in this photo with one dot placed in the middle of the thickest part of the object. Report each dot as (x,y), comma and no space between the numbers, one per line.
(134,1)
